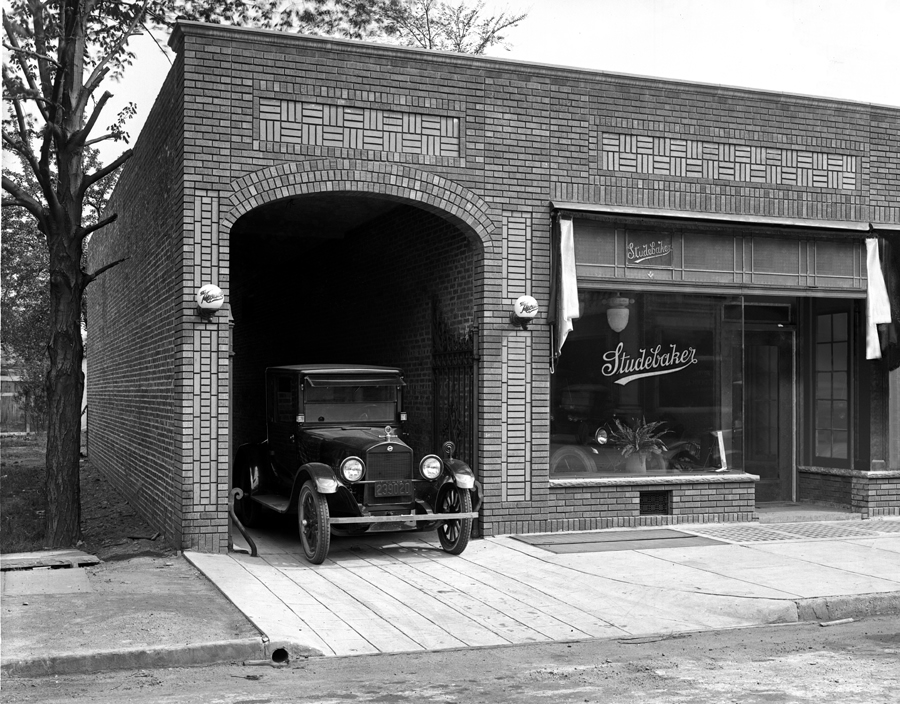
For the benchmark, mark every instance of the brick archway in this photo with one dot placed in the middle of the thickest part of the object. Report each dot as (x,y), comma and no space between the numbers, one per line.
(395,181)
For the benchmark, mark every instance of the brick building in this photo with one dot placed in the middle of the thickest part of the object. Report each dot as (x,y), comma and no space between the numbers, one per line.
(384,205)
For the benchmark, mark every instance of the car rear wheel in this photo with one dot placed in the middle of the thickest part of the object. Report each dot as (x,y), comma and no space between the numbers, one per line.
(454,534)
(248,511)
(314,524)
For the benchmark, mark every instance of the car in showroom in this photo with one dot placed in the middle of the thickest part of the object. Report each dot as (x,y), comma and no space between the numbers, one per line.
(336,454)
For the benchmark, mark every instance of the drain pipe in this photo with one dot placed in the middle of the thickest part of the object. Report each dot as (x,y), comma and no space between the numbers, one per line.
(237,494)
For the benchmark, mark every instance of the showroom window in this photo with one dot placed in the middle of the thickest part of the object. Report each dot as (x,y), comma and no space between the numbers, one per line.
(649,383)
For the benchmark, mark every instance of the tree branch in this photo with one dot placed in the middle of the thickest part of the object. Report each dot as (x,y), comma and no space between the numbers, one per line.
(90,180)
(79,138)
(84,232)
(102,138)
(25,200)
(102,67)
(29,78)
(88,278)
(42,17)
(34,54)
(24,148)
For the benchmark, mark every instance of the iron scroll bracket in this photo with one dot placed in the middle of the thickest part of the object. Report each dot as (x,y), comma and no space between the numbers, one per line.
(236,494)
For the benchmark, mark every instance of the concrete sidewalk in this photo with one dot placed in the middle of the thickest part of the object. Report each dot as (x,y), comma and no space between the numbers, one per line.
(130,614)
(398,592)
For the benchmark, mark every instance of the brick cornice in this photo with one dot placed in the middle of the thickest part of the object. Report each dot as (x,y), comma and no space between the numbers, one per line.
(529,71)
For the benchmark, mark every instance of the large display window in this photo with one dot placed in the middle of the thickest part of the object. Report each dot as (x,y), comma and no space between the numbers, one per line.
(653,383)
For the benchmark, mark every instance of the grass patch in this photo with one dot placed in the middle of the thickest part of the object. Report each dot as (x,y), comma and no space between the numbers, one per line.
(23,476)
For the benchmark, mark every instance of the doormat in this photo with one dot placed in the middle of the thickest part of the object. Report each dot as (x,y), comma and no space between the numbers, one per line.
(610,541)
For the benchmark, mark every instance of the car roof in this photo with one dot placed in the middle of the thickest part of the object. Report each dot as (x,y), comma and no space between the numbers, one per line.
(336,369)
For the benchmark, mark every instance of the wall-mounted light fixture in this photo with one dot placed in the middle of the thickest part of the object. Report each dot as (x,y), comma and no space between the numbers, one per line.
(617,311)
(524,311)
(209,299)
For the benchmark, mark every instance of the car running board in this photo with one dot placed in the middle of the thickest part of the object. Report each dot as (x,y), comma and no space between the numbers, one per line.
(276,502)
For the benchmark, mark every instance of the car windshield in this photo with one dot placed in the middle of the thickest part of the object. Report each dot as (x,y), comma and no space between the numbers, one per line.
(351,403)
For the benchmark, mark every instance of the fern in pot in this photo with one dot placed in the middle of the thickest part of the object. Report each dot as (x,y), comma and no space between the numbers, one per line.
(637,442)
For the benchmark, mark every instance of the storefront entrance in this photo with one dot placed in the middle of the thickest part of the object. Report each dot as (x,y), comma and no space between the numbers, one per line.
(769,412)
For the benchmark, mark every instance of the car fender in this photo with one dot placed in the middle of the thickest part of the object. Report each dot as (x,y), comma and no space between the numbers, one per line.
(461,474)
(325,480)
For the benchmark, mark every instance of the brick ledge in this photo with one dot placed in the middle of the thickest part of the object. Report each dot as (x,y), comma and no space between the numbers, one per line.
(858,473)
(725,478)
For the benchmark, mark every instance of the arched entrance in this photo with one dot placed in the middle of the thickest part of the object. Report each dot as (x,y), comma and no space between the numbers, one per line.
(351,262)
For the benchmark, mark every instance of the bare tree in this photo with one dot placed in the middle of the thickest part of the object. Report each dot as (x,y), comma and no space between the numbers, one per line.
(461,27)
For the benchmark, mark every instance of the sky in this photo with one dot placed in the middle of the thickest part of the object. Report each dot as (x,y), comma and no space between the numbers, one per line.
(845,49)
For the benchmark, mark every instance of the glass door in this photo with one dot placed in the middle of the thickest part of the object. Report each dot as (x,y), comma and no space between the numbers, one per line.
(768,405)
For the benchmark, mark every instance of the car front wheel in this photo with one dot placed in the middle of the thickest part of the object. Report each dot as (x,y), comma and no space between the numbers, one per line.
(314,524)
(454,534)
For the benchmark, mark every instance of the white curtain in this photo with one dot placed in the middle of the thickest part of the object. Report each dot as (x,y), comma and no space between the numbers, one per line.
(878,306)
(567,296)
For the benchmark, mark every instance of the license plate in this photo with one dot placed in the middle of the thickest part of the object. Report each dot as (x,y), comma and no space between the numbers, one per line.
(401,487)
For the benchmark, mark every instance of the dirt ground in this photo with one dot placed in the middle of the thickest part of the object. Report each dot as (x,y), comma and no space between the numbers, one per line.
(850,663)
(111,529)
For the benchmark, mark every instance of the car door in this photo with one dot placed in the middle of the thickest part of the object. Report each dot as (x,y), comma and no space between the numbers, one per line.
(282,424)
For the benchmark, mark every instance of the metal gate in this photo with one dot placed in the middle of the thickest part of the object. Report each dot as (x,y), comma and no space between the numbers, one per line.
(455,370)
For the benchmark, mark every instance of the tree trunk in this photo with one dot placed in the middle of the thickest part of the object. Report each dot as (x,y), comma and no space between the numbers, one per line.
(65,388)
(65,379)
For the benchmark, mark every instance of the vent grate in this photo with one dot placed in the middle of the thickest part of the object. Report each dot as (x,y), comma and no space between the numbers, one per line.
(655,503)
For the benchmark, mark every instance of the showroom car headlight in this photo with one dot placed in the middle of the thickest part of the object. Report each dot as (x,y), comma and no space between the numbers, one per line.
(601,436)
(352,469)
(431,467)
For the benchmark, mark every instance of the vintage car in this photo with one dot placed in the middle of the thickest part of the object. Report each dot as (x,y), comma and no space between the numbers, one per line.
(336,455)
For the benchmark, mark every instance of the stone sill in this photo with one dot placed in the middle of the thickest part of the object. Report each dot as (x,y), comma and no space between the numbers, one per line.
(643,479)
(858,473)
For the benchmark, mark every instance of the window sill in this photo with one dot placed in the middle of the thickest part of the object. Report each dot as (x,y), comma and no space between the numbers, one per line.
(859,473)
(644,479)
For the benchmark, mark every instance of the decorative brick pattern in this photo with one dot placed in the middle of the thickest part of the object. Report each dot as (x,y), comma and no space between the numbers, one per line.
(352,127)
(430,192)
(516,408)
(206,468)
(721,161)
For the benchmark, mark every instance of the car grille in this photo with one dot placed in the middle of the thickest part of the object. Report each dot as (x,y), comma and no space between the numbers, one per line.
(382,465)
(391,467)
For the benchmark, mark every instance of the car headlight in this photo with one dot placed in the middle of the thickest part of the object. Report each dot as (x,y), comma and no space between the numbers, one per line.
(601,436)
(352,469)
(431,467)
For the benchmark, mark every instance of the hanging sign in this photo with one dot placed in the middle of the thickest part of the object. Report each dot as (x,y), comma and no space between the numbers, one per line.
(648,249)
(653,361)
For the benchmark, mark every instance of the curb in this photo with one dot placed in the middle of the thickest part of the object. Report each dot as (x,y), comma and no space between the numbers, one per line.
(832,608)
(212,653)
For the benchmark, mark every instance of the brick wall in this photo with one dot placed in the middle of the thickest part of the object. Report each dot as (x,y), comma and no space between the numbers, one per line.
(830,489)
(134,314)
(485,144)
(615,504)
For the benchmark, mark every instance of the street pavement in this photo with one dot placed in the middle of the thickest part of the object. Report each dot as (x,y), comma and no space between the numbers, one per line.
(399,592)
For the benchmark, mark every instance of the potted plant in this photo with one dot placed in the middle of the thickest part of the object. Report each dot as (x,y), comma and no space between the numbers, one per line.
(637,441)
